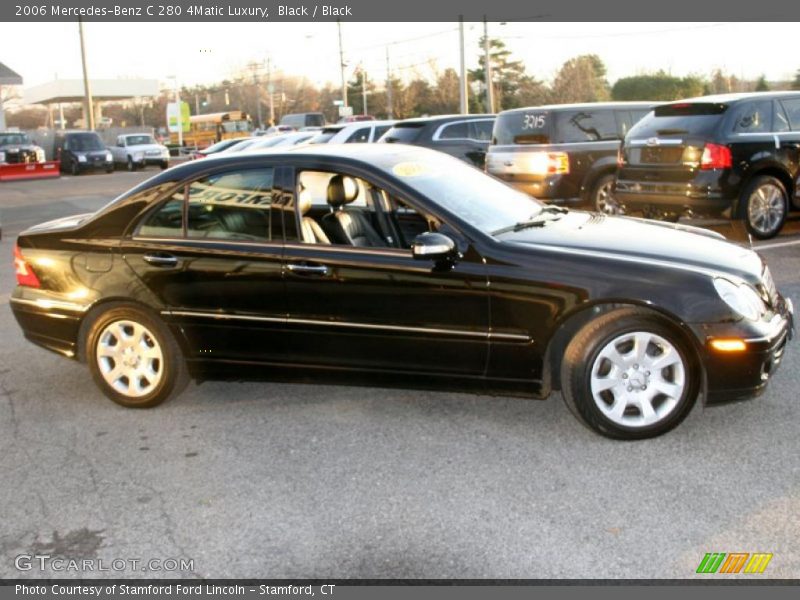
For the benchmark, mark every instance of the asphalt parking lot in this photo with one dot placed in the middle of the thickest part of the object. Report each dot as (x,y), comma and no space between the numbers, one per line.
(278,480)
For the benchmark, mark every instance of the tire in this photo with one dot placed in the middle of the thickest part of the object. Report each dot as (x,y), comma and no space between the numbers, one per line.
(110,169)
(131,165)
(73,168)
(605,377)
(603,200)
(763,205)
(124,342)
(163,164)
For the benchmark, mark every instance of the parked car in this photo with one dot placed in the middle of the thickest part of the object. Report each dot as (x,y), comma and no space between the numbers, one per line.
(137,150)
(218,147)
(285,139)
(240,145)
(736,155)
(355,132)
(464,136)
(362,263)
(563,152)
(81,151)
(300,120)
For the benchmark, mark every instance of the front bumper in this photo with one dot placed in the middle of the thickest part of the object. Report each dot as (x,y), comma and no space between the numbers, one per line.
(733,376)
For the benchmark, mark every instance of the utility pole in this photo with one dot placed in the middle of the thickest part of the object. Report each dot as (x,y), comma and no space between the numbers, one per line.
(389,108)
(364,89)
(341,64)
(254,67)
(271,93)
(88,104)
(462,88)
(488,68)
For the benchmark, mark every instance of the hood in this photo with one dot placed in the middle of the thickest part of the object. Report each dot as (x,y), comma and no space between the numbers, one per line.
(17,147)
(143,147)
(637,239)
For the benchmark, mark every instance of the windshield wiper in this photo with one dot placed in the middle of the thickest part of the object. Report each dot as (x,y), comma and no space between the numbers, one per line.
(548,214)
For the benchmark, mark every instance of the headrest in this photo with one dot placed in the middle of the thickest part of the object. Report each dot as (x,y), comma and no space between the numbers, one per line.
(304,200)
(341,190)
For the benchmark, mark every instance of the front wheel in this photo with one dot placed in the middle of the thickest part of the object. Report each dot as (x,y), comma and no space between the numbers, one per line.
(764,204)
(133,357)
(163,164)
(603,199)
(626,375)
(132,166)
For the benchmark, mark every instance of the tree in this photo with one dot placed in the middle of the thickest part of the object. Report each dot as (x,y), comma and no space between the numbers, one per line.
(762,85)
(796,82)
(723,83)
(508,77)
(581,79)
(355,92)
(657,86)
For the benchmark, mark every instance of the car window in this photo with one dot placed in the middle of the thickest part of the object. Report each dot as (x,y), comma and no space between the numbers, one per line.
(792,108)
(379,131)
(481,130)
(780,122)
(359,136)
(587,126)
(167,221)
(753,117)
(455,131)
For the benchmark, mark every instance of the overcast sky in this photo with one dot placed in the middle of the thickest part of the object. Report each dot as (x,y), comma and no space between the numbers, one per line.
(209,52)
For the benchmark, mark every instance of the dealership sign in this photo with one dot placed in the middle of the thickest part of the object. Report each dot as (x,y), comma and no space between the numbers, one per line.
(172,117)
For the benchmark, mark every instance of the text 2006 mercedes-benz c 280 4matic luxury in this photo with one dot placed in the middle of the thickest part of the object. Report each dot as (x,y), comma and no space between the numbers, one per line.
(403,266)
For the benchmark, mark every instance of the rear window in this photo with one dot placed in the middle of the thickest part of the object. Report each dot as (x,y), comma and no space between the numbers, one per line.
(403,133)
(701,118)
(586,126)
(522,127)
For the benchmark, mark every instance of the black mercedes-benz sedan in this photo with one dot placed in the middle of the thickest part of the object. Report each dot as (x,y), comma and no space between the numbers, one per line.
(398,265)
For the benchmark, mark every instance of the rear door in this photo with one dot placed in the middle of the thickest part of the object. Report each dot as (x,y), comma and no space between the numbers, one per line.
(788,110)
(212,256)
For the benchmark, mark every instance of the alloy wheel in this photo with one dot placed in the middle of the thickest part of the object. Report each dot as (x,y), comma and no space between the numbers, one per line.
(604,199)
(130,358)
(766,209)
(638,379)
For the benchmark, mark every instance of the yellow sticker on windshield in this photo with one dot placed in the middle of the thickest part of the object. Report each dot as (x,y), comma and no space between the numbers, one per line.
(411,169)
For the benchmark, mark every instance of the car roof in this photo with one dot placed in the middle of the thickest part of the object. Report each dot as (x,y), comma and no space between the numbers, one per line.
(443,118)
(583,106)
(737,97)
(337,127)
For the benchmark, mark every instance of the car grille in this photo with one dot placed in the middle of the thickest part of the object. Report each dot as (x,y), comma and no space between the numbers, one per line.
(20,156)
(769,289)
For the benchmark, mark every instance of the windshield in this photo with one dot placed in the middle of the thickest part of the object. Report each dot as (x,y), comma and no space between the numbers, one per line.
(12,139)
(84,142)
(221,146)
(484,202)
(136,140)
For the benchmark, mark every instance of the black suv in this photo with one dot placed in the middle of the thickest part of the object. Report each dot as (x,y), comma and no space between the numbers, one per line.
(563,152)
(735,155)
(464,136)
(81,151)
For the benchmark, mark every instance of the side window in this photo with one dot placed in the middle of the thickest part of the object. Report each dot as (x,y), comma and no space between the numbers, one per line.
(780,122)
(481,131)
(753,117)
(167,221)
(379,131)
(455,131)
(359,136)
(585,126)
(792,108)
(236,205)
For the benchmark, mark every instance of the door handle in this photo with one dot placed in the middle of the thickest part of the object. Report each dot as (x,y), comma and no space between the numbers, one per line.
(161,260)
(308,269)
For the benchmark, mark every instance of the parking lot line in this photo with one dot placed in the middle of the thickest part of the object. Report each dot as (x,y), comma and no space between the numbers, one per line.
(777,245)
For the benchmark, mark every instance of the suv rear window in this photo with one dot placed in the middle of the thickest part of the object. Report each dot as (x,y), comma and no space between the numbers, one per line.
(586,126)
(522,127)
(403,133)
(699,118)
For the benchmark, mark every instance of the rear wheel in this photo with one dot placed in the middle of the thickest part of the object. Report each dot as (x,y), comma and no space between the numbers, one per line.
(603,199)
(764,204)
(133,357)
(626,375)
(131,165)
(163,164)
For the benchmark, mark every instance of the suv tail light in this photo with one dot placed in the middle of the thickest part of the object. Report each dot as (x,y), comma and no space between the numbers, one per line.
(25,275)
(716,157)
(548,163)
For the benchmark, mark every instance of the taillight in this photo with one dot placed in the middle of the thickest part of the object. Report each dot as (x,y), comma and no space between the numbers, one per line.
(25,275)
(716,157)
(548,163)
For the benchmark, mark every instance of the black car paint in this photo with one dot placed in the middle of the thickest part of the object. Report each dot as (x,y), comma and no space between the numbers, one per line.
(96,159)
(683,188)
(495,321)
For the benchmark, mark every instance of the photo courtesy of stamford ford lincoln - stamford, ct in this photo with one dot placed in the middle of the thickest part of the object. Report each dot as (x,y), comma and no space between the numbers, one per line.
(370,299)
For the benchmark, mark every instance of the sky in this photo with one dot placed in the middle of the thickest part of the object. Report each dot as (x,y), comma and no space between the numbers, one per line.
(209,52)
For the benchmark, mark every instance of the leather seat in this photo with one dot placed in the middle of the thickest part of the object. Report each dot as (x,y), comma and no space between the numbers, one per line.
(310,230)
(348,225)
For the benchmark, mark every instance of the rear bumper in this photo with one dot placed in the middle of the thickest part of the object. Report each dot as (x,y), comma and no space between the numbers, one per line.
(734,376)
(706,194)
(50,324)
(543,187)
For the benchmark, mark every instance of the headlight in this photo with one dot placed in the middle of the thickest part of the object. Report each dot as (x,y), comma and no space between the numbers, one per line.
(743,299)
(109,158)
(81,158)
(39,155)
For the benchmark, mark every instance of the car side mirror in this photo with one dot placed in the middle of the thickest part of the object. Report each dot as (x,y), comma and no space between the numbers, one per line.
(434,246)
